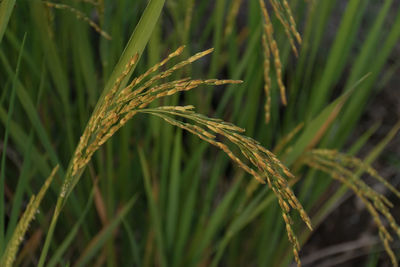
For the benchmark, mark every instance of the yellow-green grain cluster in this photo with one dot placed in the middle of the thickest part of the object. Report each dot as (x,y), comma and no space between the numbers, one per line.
(283,13)
(121,104)
(253,158)
(10,253)
(267,78)
(346,170)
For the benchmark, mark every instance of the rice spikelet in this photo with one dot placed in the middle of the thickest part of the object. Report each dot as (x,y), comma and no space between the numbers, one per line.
(20,230)
(266,167)
(269,32)
(267,79)
(284,14)
(79,15)
(232,15)
(292,21)
(287,28)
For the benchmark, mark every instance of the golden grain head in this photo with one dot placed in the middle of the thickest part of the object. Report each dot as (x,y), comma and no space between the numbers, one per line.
(283,13)
(120,105)
(264,165)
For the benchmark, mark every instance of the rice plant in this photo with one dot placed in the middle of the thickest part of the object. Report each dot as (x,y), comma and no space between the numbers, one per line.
(141,178)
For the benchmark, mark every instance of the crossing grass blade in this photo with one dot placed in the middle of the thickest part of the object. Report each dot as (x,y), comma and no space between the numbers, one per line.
(20,190)
(133,243)
(195,206)
(339,52)
(20,137)
(136,45)
(352,112)
(57,256)
(154,210)
(4,152)
(98,241)
(32,114)
(173,193)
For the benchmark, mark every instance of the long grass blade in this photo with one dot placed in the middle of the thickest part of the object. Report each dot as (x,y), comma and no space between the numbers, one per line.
(62,248)
(3,155)
(99,240)
(20,189)
(174,193)
(154,210)
(135,46)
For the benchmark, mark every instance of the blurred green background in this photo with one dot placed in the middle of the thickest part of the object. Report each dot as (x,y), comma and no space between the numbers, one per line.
(193,207)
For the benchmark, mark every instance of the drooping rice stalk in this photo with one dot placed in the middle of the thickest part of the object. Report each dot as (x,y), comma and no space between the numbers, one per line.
(345,169)
(265,166)
(79,15)
(279,12)
(273,46)
(123,99)
(121,104)
(283,13)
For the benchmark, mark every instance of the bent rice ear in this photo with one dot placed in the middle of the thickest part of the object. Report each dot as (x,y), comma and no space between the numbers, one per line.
(120,105)
(345,169)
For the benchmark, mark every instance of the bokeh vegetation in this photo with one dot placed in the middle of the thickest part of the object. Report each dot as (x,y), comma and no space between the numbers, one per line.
(97,105)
